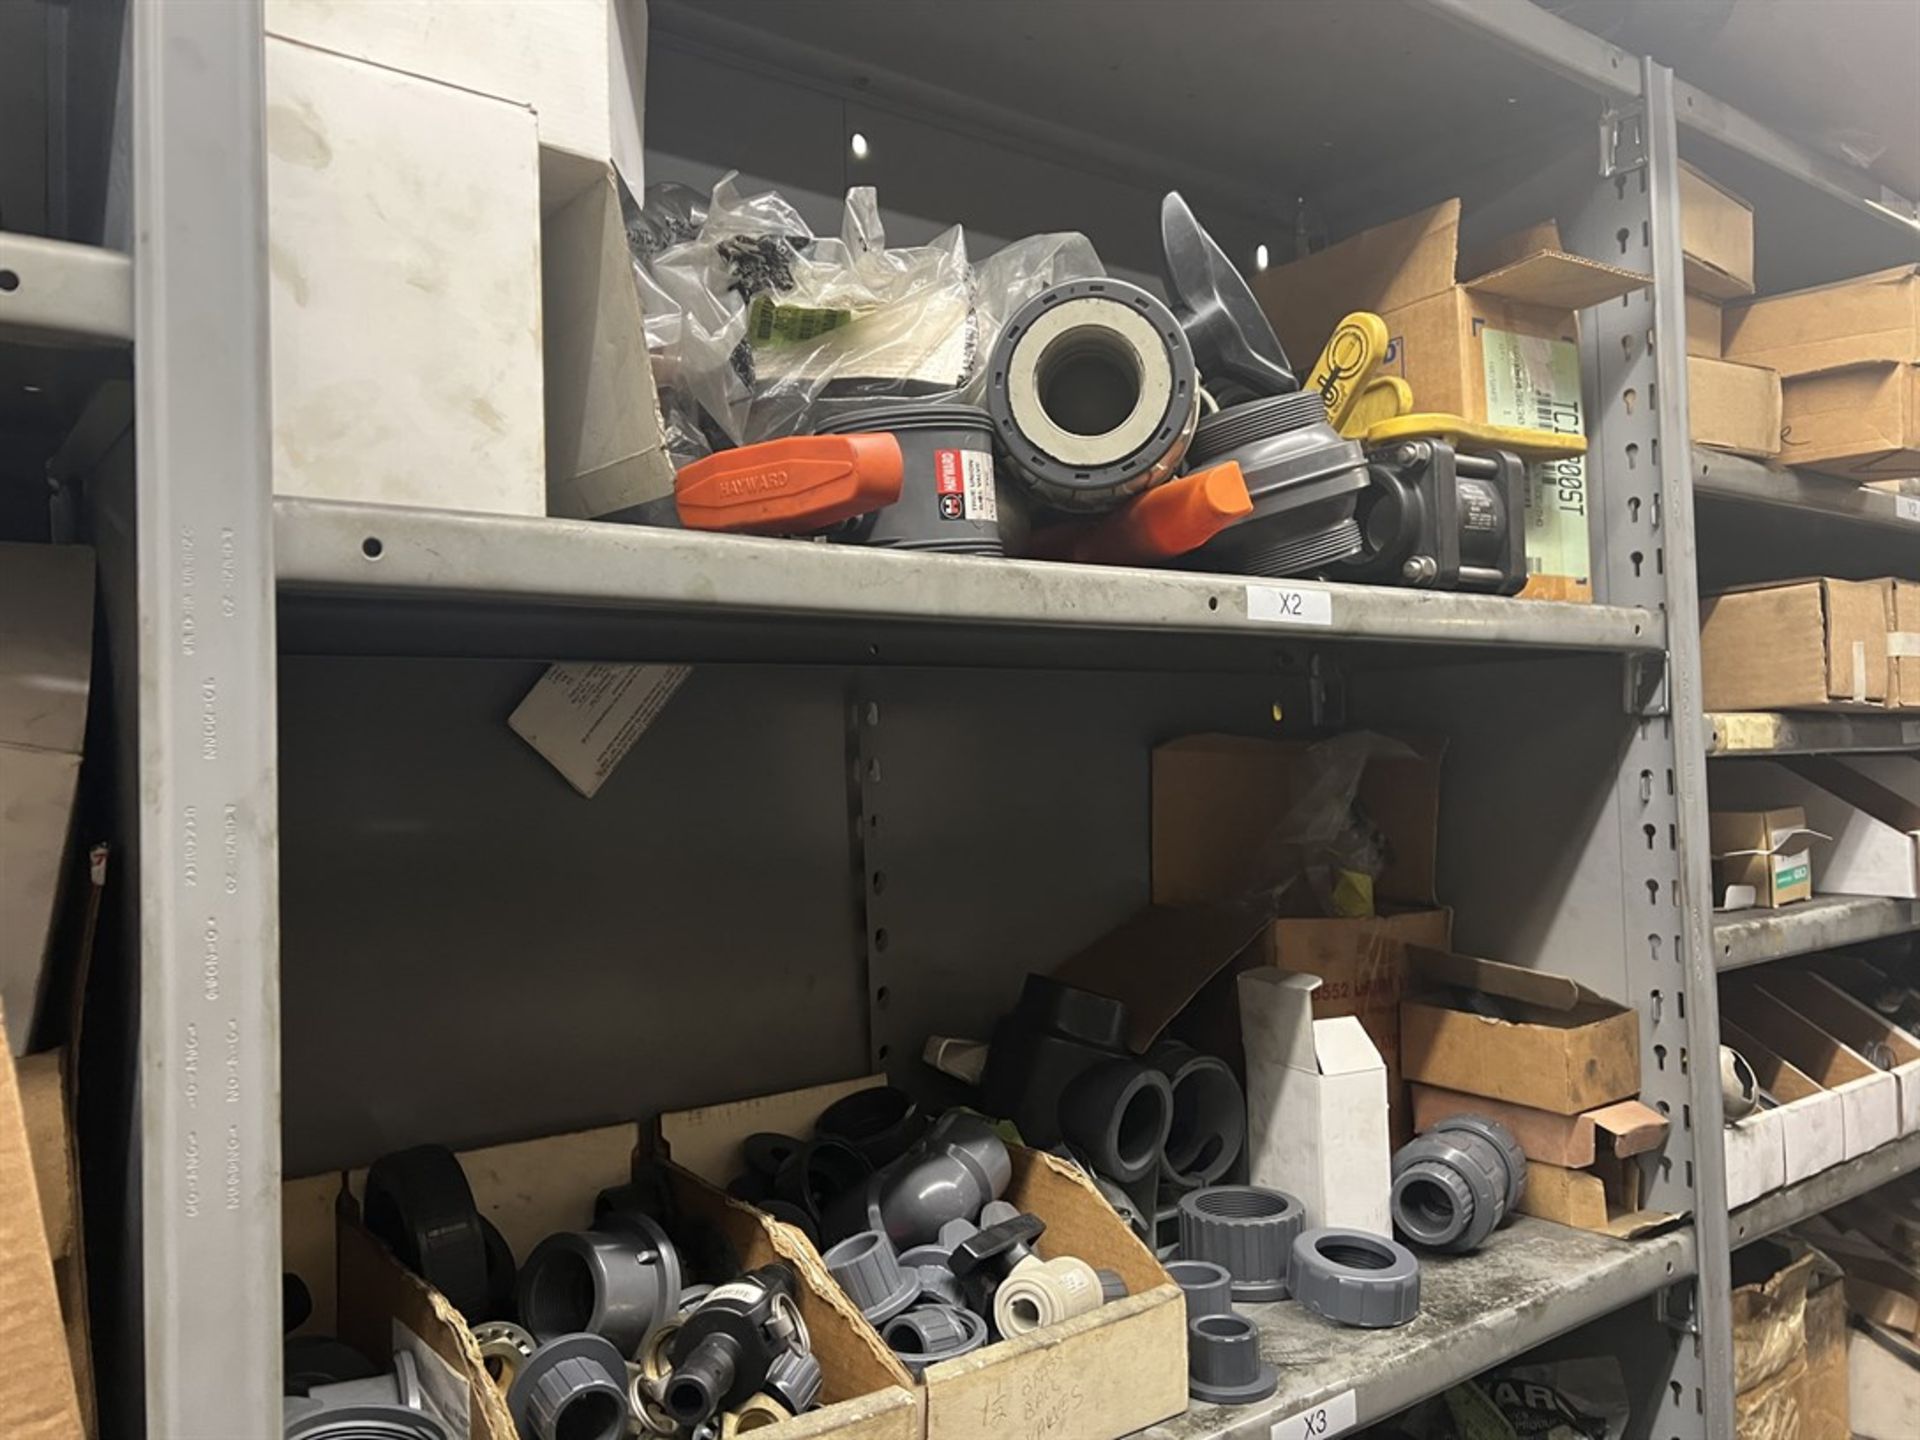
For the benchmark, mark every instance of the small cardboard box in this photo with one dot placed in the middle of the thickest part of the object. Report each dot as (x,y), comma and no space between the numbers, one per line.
(1703,327)
(1869,1098)
(1316,1104)
(1733,407)
(1716,237)
(1806,645)
(531,1190)
(1903,643)
(1763,852)
(1493,337)
(1097,1377)
(1561,1048)
(46,654)
(1849,356)
(1619,1130)
(1862,1028)
(1605,1198)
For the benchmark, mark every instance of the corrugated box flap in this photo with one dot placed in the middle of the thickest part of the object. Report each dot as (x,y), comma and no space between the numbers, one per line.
(1633,1127)
(1556,280)
(1531,987)
(1160,958)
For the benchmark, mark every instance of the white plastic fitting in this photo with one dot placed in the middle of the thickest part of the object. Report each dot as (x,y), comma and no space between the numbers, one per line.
(1040,1292)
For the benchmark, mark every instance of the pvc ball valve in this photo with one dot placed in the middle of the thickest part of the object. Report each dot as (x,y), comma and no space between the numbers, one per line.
(571,1388)
(1454,1184)
(617,1283)
(959,1167)
(1037,1293)
(1118,1113)
(985,1259)
(1246,1229)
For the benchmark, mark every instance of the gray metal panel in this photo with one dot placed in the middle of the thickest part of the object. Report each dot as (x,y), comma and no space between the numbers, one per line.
(476,953)
(1752,937)
(209,993)
(1764,522)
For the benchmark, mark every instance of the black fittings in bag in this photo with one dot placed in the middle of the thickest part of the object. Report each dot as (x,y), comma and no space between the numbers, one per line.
(1437,519)
(1234,346)
(419,1204)
(725,1348)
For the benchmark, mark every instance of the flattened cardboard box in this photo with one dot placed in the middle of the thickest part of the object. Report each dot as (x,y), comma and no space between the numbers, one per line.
(1099,1376)
(1818,644)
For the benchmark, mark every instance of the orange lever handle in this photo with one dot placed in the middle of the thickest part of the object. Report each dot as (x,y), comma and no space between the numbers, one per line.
(789,486)
(1168,520)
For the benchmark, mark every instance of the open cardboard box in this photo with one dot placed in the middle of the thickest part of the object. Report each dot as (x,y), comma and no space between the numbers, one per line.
(1864,808)
(1867,1032)
(1869,1099)
(1797,1137)
(1622,1129)
(1814,644)
(530,1190)
(1099,1376)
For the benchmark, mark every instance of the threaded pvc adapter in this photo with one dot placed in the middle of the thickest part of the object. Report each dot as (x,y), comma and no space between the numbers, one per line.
(1247,1229)
(868,1270)
(1223,1361)
(1354,1278)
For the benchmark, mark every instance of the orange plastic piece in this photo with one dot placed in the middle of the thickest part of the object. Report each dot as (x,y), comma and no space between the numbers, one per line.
(1168,520)
(789,486)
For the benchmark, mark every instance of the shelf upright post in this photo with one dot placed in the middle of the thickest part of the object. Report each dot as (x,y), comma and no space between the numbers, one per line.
(209,1066)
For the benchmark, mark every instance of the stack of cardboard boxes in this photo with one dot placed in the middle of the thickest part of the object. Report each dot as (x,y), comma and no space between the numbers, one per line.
(1731,405)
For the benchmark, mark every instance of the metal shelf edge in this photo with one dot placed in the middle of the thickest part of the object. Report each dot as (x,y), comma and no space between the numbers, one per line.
(1720,476)
(1768,732)
(1752,937)
(64,294)
(1843,1182)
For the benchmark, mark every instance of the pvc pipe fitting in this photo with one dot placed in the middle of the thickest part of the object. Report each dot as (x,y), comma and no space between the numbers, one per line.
(1223,1361)
(794,1379)
(1038,1293)
(1118,1113)
(1207,1286)
(1209,1125)
(866,1267)
(759,1412)
(1247,1229)
(882,1123)
(1354,1278)
(504,1349)
(617,1283)
(419,1204)
(390,1405)
(1739,1089)
(960,1166)
(1113,1285)
(1454,1184)
(571,1388)
(929,1334)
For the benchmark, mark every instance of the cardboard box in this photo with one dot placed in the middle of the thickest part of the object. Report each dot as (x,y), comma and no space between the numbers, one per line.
(553,57)
(46,656)
(1562,1048)
(404,226)
(1703,326)
(530,1190)
(1716,237)
(1764,853)
(1849,356)
(1097,1377)
(1903,643)
(1605,1199)
(1806,645)
(1869,1098)
(1316,1104)
(1619,1130)
(1733,407)
(37,1392)
(1492,338)
(1798,1137)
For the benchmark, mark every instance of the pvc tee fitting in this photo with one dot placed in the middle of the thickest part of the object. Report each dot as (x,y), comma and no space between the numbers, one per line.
(1039,1293)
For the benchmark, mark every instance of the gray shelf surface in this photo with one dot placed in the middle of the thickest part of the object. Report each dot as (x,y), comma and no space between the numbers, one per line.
(1769,732)
(1843,1182)
(1751,937)
(1718,476)
(1534,1280)
(447,582)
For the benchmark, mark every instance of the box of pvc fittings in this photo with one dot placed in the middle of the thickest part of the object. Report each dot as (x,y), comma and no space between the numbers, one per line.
(1733,407)
(37,1391)
(1858,1026)
(46,654)
(1761,857)
(1869,1098)
(1099,1376)
(1491,337)
(1513,1033)
(1716,237)
(533,1189)
(1817,644)
(1848,355)
(1864,811)
(1703,327)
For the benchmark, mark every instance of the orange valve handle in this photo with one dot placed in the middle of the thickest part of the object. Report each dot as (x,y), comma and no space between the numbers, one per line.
(789,486)
(1168,520)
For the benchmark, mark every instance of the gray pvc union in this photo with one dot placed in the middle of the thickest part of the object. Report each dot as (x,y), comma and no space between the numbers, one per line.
(573,1387)
(1207,1286)
(929,1334)
(617,1283)
(794,1380)
(1223,1361)
(1453,1185)
(1355,1278)
(1248,1229)
(868,1270)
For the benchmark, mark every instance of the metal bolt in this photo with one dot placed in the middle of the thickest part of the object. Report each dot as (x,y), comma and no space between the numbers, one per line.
(1407,454)
(1419,570)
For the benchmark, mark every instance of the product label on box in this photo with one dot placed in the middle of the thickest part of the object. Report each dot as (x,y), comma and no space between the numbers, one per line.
(441,1386)
(1289,605)
(1907,507)
(1332,1418)
(963,480)
(585,718)
(1534,381)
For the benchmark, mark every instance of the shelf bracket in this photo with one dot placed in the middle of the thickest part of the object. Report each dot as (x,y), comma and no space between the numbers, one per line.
(1673,1307)
(1623,140)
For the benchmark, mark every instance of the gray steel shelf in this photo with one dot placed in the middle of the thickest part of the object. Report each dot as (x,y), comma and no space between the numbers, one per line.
(1850,1178)
(1769,732)
(472,566)
(1534,1280)
(64,294)
(1752,937)
(1719,476)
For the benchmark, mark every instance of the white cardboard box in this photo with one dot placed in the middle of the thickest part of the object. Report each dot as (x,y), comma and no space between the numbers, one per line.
(404,235)
(561,59)
(1869,805)
(1863,1030)
(1869,1098)
(1803,1130)
(46,649)
(1316,1104)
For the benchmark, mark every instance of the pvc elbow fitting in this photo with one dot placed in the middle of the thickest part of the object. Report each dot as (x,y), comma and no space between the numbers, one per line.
(1038,1293)
(959,1168)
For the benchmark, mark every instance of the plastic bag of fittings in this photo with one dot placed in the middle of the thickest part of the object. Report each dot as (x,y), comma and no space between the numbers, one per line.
(1324,855)
(765,329)
(1581,1399)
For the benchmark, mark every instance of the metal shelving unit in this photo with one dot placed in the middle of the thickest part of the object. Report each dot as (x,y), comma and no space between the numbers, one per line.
(1759,733)
(1789,1206)
(1753,937)
(380,591)
(1737,480)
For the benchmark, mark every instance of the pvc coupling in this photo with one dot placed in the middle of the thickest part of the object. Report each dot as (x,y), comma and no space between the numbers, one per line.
(1040,1292)
(571,1388)
(618,1282)
(866,1267)
(930,1334)
(1223,1361)
(1453,1185)
(1246,1229)
(1117,1113)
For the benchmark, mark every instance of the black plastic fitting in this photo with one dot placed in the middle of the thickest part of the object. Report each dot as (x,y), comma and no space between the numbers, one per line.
(882,1123)
(982,1260)
(1053,1033)
(418,1203)
(724,1349)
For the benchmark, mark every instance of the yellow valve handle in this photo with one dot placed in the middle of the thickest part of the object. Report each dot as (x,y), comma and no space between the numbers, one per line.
(1347,364)
(1464,434)
(1385,397)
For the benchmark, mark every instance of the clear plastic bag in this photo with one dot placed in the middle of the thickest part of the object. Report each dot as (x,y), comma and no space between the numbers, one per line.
(758,328)
(1324,855)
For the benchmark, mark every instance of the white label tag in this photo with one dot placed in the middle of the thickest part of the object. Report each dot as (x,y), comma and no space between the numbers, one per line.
(1907,507)
(1334,1417)
(584,718)
(445,1391)
(982,503)
(1287,605)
